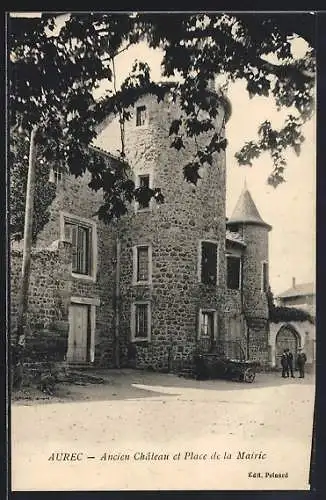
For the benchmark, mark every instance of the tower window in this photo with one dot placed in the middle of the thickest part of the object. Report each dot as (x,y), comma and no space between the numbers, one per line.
(142,264)
(208,263)
(140,116)
(143,183)
(233,269)
(140,321)
(264,278)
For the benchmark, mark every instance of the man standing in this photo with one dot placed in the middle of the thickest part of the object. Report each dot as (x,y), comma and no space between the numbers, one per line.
(285,364)
(301,361)
(290,361)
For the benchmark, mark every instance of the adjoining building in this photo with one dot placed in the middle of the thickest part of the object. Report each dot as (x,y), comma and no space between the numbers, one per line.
(292,322)
(301,295)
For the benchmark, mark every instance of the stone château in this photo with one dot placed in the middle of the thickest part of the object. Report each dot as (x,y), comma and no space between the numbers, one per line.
(166,279)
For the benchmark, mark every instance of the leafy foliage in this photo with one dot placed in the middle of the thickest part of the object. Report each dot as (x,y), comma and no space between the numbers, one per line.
(53,73)
(278,314)
(45,191)
(274,141)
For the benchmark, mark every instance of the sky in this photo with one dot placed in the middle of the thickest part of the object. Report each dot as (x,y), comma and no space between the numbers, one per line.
(289,208)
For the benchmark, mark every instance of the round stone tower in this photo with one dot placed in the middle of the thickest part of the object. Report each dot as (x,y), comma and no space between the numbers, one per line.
(172,260)
(247,221)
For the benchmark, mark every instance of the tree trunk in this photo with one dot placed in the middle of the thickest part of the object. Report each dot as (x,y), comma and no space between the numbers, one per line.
(26,265)
(117,304)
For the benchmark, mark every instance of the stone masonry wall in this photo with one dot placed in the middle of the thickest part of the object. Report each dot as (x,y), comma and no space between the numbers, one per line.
(235,321)
(173,230)
(76,198)
(49,295)
(255,300)
(258,340)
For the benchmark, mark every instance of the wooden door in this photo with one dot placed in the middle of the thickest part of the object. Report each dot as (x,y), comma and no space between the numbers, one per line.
(78,333)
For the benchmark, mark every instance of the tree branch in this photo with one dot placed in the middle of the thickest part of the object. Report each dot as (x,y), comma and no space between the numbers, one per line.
(117,53)
(280,70)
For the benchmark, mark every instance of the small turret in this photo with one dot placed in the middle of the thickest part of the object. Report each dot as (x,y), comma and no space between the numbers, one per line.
(246,212)
(247,221)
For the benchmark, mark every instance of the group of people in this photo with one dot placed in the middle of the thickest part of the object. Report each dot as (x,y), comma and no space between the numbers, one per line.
(287,363)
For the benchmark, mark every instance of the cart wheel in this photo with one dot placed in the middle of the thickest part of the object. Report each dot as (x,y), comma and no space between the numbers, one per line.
(249,375)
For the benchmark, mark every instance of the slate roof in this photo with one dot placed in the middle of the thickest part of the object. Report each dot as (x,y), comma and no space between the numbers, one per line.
(235,237)
(246,211)
(105,153)
(298,291)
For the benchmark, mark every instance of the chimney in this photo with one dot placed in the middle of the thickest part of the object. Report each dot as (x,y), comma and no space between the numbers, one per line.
(293,282)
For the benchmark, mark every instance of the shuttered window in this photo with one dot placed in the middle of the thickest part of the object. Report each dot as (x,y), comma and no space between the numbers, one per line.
(208,263)
(80,238)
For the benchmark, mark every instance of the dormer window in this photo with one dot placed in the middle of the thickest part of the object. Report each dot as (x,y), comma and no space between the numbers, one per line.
(140,116)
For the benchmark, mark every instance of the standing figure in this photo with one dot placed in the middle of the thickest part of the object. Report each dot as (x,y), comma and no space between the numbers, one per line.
(290,361)
(301,361)
(285,364)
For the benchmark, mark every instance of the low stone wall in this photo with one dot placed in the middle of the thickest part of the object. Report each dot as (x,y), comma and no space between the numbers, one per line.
(47,318)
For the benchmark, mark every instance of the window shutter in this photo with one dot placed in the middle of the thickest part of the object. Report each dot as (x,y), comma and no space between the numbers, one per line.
(73,235)
(80,238)
(82,250)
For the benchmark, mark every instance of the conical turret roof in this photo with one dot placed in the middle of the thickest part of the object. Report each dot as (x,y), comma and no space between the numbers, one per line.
(246,211)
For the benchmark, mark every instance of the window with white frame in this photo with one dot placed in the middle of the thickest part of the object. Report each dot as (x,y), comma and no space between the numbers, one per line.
(207,323)
(264,277)
(233,272)
(81,233)
(208,262)
(140,116)
(140,321)
(142,260)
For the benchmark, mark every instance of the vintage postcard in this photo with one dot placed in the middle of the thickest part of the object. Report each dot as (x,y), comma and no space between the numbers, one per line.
(162,250)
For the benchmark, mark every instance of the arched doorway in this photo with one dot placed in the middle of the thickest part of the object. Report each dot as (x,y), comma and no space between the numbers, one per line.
(286,338)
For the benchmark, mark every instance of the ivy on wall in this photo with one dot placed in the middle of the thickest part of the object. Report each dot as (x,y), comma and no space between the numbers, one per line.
(278,314)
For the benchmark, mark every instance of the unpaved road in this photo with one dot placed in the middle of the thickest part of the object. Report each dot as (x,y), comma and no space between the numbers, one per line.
(163,432)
